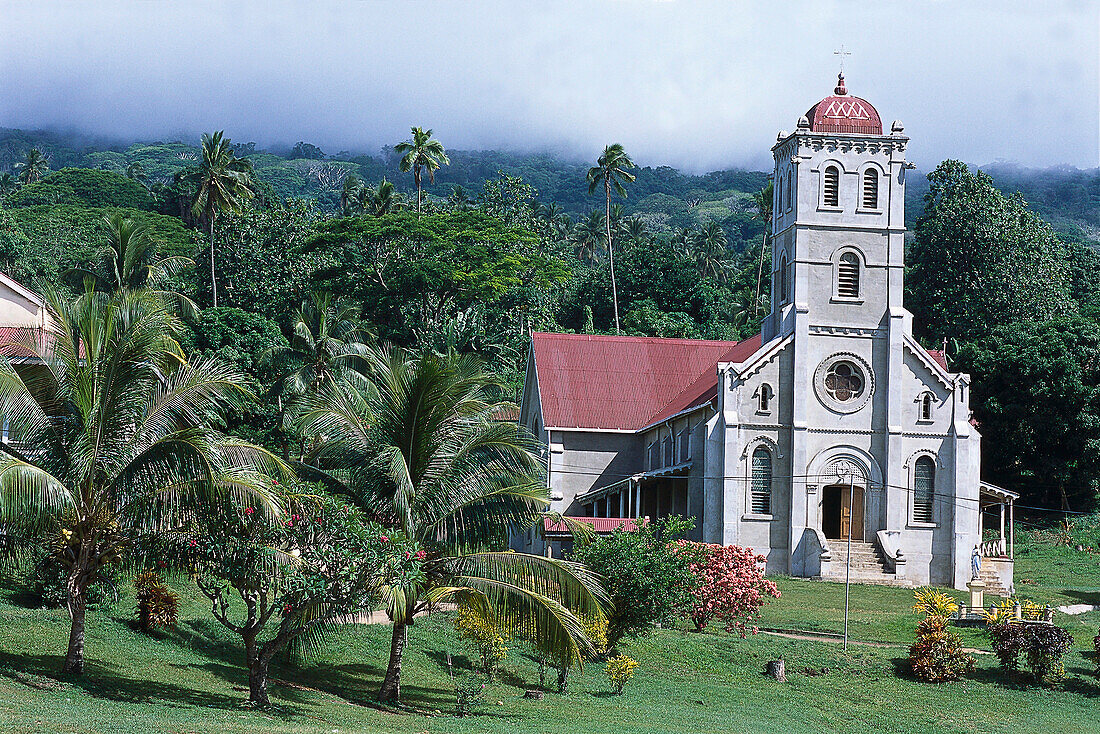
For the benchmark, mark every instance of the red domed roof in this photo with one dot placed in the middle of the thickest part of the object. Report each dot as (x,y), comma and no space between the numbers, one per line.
(842,113)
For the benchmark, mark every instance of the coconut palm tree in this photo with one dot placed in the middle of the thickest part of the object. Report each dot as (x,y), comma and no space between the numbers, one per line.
(708,250)
(130,262)
(588,238)
(117,429)
(765,201)
(611,170)
(635,230)
(349,195)
(425,454)
(33,166)
(421,152)
(381,200)
(459,199)
(223,182)
(327,343)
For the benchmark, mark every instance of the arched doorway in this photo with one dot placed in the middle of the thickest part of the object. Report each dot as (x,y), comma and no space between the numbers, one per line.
(842,506)
(842,500)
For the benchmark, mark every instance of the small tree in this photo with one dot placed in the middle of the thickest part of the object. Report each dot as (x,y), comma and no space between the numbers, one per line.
(1042,645)
(299,576)
(157,604)
(646,572)
(732,587)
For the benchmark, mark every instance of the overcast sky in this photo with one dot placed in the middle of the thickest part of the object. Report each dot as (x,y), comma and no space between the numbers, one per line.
(697,85)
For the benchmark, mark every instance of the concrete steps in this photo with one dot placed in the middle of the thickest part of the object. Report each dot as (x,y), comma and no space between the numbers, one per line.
(993,583)
(868,566)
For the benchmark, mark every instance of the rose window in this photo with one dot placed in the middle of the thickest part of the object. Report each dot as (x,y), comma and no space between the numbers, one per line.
(844,382)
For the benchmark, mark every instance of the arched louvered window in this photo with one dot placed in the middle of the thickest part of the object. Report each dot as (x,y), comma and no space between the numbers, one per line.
(790,199)
(924,483)
(870,189)
(779,195)
(926,406)
(761,481)
(832,186)
(847,276)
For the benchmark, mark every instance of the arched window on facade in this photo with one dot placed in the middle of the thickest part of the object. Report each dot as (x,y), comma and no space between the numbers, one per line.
(926,406)
(832,186)
(782,276)
(762,481)
(870,189)
(924,483)
(847,276)
(790,199)
(765,398)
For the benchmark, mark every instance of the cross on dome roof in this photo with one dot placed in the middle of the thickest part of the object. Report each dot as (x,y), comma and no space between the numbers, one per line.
(843,113)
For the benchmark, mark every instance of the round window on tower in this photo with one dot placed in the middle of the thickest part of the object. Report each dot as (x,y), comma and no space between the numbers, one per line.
(844,383)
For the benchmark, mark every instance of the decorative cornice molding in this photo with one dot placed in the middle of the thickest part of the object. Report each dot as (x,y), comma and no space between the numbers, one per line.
(847,331)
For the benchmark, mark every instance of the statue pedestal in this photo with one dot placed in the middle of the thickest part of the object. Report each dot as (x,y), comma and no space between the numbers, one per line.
(977,593)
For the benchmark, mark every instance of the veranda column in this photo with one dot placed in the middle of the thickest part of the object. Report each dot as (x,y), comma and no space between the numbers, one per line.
(622,500)
(1001,540)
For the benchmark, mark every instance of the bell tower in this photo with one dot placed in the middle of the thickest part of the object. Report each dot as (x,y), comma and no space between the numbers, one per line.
(839,218)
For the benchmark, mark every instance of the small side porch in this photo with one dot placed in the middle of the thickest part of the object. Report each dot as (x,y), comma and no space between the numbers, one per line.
(651,495)
(997,533)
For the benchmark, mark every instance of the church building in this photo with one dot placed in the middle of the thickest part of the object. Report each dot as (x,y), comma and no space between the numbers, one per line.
(833,424)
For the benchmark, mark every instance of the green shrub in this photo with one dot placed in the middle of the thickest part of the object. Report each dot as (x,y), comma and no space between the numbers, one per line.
(484,632)
(937,655)
(1042,645)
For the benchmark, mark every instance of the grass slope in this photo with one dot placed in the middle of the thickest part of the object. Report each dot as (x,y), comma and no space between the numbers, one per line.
(191,680)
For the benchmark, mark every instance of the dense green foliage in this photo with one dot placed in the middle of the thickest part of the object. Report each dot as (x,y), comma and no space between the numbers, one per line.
(84,187)
(647,574)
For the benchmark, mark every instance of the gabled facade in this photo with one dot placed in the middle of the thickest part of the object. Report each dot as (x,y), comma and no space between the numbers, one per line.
(834,422)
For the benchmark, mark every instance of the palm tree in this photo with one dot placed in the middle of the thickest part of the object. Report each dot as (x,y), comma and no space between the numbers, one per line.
(382,200)
(424,453)
(635,230)
(765,201)
(611,171)
(588,237)
(708,250)
(223,182)
(459,199)
(327,343)
(119,444)
(422,151)
(130,263)
(33,166)
(349,195)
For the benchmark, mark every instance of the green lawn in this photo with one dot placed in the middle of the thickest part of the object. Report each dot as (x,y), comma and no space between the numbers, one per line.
(191,680)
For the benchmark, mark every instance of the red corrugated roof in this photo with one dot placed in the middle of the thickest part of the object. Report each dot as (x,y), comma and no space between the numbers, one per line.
(13,341)
(598,524)
(939,358)
(626,382)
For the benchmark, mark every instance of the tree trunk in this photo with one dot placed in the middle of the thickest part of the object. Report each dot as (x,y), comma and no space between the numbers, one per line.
(391,684)
(77,605)
(611,253)
(213,278)
(257,670)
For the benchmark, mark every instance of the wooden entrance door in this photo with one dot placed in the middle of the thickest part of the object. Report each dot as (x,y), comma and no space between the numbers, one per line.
(851,512)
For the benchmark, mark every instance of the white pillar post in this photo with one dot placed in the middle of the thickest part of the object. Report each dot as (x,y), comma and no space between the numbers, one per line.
(622,501)
(1012,529)
(1001,540)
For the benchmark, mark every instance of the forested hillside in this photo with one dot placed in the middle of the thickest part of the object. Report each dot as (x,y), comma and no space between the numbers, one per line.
(506,243)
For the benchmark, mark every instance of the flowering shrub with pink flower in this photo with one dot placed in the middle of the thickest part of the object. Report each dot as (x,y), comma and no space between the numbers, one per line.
(732,587)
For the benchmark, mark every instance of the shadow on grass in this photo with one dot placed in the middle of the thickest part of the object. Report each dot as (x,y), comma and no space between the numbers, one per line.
(1083,596)
(1019,681)
(103,681)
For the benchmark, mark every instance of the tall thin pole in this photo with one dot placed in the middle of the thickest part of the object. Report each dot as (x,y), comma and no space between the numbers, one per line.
(848,560)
